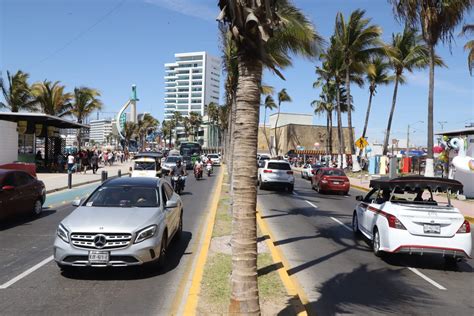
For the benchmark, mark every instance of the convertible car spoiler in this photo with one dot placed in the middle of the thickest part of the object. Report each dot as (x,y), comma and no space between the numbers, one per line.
(414,183)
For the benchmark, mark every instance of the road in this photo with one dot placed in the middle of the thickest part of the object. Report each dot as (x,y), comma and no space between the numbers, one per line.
(339,273)
(28,242)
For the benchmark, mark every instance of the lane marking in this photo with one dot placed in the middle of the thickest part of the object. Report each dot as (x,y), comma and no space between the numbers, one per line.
(191,302)
(432,282)
(293,288)
(341,223)
(26,273)
(315,206)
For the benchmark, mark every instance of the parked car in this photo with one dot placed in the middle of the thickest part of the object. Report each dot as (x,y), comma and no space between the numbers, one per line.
(169,163)
(124,222)
(401,216)
(20,193)
(330,180)
(216,161)
(276,173)
(309,170)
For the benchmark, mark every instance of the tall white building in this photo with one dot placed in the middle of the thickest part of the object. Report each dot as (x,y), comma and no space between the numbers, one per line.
(191,83)
(99,130)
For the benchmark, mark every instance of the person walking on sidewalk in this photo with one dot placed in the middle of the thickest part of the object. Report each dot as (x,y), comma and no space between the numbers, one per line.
(95,162)
(70,162)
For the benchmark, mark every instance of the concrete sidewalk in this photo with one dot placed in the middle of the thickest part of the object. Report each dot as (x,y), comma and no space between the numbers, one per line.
(466,207)
(58,181)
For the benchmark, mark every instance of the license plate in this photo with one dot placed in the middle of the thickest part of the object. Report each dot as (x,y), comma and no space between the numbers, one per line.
(431,229)
(98,257)
(336,182)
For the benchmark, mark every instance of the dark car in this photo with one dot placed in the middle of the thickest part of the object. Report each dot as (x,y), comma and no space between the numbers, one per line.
(330,180)
(20,193)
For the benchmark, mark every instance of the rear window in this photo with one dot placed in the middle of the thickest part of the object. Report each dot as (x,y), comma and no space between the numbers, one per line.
(173,159)
(334,172)
(278,166)
(212,156)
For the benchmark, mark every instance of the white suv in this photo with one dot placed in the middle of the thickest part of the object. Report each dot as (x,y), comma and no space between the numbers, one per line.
(276,173)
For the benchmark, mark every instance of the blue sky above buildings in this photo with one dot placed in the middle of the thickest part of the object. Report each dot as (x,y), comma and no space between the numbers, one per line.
(112,44)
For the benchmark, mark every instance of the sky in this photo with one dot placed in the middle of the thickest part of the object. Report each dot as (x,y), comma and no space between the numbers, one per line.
(112,44)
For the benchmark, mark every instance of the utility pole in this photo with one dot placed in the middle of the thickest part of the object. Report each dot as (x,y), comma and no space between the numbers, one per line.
(408,136)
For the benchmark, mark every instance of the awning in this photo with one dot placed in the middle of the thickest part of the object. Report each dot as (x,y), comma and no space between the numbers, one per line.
(40,118)
(413,183)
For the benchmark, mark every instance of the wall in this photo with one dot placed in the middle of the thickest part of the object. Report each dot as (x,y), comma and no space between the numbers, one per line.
(290,118)
(9,152)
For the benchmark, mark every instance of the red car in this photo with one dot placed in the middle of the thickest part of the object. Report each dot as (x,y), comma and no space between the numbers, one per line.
(330,180)
(20,193)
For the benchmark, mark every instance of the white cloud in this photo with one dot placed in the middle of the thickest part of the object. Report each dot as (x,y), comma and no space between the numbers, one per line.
(422,80)
(195,8)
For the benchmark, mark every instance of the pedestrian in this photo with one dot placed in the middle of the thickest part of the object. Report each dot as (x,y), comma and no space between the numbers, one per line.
(95,162)
(110,158)
(70,162)
(105,157)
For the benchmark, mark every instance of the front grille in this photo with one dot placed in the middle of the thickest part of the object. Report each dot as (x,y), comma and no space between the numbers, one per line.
(83,260)
(113,240)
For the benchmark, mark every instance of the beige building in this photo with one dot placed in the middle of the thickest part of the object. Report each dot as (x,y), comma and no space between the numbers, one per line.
(299,136)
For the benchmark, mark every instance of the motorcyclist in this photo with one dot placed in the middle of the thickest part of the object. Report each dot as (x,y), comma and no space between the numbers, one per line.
(178,170)
(198,165)
(209,164)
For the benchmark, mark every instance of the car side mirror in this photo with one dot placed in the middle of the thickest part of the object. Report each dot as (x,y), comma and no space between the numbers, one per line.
(76,202)
(359,198)
(8,188)
(171,204)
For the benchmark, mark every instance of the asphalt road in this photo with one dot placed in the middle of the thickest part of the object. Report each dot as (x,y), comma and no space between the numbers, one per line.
(339,272)
(26,242)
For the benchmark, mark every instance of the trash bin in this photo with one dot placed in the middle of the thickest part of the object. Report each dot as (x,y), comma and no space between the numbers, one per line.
(406,165)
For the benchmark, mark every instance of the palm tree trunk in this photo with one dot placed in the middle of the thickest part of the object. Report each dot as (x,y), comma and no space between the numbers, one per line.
(244,287)
(265,129)
(277,141)
(367,117)
(340,133)
(392,110)
(330,133)
(430,104)
(232,138)
(349,113)
(327,131)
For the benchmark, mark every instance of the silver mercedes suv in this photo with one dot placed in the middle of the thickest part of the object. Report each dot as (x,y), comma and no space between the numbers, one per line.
(124,222)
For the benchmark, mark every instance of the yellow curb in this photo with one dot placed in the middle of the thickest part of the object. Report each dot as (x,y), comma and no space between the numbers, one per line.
(193,295)
(469,219)
(293,288)
(359,188)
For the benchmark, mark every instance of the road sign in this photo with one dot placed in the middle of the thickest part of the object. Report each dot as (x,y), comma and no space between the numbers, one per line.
(361,143)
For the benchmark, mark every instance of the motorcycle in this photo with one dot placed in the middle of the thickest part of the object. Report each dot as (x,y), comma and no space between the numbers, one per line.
(209,170)
(198,173)
(178,184)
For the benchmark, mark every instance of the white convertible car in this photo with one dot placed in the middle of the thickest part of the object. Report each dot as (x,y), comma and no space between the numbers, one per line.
(401,216)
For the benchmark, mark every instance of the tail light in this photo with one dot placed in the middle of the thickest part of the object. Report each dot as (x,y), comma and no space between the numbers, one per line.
(465,228)
(267,171)
(394,222)
(289,172)
(324,179)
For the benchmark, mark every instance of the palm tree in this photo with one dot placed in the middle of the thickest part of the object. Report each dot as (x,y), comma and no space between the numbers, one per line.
(167,131)
(437,20)
(376,73)
(195,120)
(212,111)
(17,94)
(357,40)
(283,96)
(129,131)
(176,120)
(321,107)
(469,46)
(269,104)
(266,37)
(85,101)
(187,127)
(52,99)
(407,52)
(144,126)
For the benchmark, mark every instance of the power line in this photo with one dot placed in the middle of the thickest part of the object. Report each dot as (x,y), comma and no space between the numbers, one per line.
(82,33)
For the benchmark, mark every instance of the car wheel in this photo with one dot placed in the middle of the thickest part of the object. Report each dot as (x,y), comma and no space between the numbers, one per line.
(261,186)
(164,243)
(38,207)
(355,224)
(290,188)
(376,243)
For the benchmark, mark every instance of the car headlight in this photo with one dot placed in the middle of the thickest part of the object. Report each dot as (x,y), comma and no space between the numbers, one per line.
(63,233)
(145,233)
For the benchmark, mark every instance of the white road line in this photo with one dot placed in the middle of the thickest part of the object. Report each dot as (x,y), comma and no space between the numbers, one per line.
(434,283)
(26,273)
(315,206)
(341,223)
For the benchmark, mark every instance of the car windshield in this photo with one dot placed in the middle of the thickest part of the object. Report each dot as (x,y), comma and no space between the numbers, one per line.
(213,156)
(278,166)
(124,196)
(334,172)
(172,159)
(142,165)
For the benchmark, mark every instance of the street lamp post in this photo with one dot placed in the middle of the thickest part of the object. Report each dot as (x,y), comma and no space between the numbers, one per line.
(408,136)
